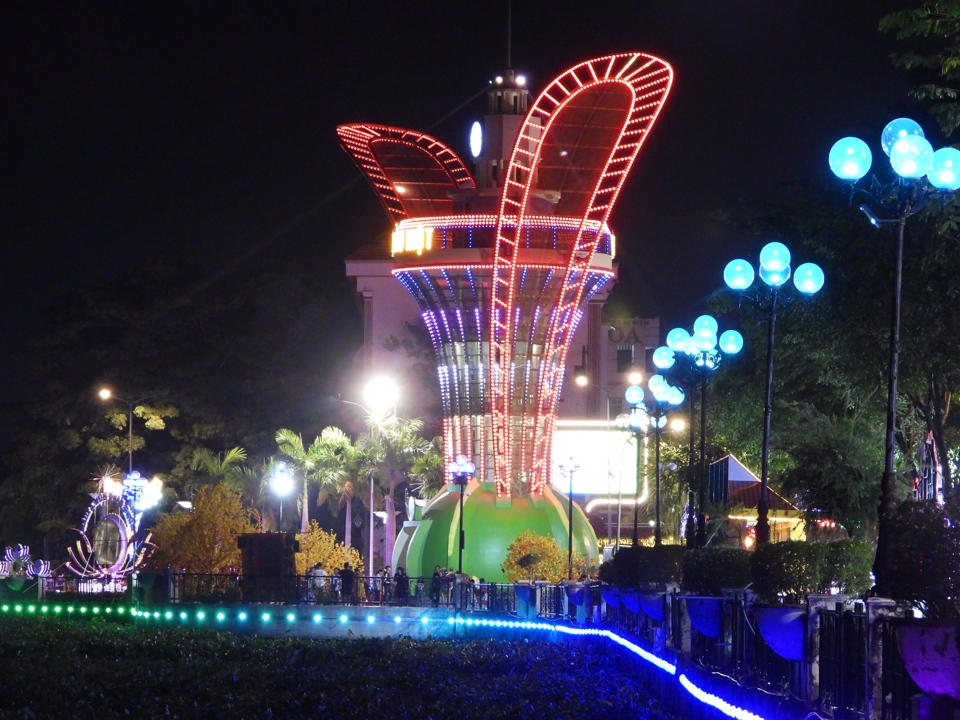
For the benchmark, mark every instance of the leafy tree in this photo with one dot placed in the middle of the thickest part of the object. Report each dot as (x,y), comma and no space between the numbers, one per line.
(389,450)
(215,468)
(319,546)
(204,540)
(931,39)
(837,461)
(428,472)
(538,557)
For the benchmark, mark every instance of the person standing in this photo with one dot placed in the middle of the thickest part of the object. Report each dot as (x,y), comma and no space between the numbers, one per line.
(435,584)
(347,580)
(401,586)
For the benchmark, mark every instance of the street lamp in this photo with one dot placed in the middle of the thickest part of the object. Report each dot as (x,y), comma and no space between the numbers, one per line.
(570,467)
(281,482)
(381,394)
(462,470)
(582,380)
(107,394)
(922,176)
(769,300)
(689,359)
(644,420)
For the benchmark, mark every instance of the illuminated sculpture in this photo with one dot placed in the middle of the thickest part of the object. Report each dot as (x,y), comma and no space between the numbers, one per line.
(111,543)
(503,265)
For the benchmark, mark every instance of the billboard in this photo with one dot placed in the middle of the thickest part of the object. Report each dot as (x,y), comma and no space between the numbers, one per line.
(605,460)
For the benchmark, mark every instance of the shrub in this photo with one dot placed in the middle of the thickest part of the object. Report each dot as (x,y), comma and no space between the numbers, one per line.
(708,570)
(847,566)
(538,557)
(319,546)
(924,567)
(788,571)
(654,565)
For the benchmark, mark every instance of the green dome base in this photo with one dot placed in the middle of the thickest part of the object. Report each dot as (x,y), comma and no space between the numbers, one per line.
(488,531)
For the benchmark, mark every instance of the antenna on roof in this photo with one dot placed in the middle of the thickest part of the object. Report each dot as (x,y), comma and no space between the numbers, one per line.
(509,23)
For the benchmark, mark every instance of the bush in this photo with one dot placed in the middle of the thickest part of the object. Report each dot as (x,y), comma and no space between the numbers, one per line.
(788,571)
(708,570)
(633,566)
(924,567)
(538,557)
(847,567)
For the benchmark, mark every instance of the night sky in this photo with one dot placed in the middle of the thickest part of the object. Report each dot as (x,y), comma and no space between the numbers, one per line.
(207,129)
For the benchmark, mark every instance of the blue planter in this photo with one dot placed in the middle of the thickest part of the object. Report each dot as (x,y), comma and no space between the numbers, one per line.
(630,597)
(576,594)
(523,592)
(653,604)
(706,614)
(782,628)
(611,595)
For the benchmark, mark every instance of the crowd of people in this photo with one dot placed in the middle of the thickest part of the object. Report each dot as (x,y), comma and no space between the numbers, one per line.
(444,587)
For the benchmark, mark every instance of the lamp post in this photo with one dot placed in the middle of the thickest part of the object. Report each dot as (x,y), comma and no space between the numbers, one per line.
(645,420)
(922,175)
(107,394)
(582,380)
(461,470)
(570,467)
(281,482)
(689,359)
(381,394)
(770,300)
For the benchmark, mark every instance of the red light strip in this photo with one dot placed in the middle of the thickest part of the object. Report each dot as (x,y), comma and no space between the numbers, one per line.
(649,80)
(357,141)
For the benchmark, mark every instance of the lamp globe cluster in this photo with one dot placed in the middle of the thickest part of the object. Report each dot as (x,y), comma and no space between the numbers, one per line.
(912,157)
(703,347)
(774,271)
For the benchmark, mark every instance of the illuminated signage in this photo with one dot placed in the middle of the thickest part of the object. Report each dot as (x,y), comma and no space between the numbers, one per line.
(607,461)
(415,239)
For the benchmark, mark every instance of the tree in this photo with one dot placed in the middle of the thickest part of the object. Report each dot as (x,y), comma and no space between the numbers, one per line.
(319,546)
(205,540)
(214,468)
(837,461)
(428,473)
(538,557)
(931,35)
(389,450)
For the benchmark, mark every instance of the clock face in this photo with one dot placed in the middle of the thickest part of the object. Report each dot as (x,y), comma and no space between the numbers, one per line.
(107,542)
(476,139)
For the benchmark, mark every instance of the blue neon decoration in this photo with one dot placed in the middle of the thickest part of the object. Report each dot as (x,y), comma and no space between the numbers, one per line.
(850,158)
(897,130)
(719,703)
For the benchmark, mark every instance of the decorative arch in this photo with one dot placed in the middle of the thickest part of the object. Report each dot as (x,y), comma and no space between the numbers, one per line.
(411,172)
(575,147)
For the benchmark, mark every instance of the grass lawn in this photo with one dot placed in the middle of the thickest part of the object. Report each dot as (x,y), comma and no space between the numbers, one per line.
(52,668)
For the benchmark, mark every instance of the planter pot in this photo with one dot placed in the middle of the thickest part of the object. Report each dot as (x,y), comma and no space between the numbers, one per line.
(653,604)
(931,654)
(782,627)
(576,594)
(706,614)
(611,596)
(523,592)
(630,597)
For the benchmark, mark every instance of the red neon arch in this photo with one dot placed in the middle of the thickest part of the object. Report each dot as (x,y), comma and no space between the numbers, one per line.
(424,169)
(600,111)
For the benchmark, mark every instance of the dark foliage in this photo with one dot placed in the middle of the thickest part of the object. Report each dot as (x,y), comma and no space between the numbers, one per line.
(633,566)
(710,570)
(115,671)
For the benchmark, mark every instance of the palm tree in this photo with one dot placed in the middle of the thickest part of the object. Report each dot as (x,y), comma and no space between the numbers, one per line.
(225,467)
(389,450)
(302,460)
(428,473)
(336,464)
